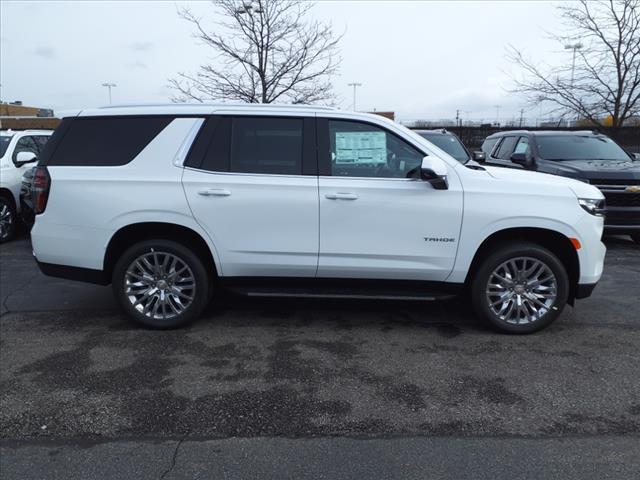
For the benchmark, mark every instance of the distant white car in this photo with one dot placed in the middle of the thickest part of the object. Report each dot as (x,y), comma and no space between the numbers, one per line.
(19,150)
(172,203)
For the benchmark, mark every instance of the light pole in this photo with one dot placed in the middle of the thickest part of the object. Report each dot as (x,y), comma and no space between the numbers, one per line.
(575,47)
(354,85)
(109,86)
(497,113)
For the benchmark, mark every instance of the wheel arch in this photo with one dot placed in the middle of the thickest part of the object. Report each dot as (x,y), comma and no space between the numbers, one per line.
(137,232)
(554,241)
(8,194)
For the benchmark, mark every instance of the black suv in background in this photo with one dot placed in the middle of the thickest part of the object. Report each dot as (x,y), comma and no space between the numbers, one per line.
(584,155)
(450,143)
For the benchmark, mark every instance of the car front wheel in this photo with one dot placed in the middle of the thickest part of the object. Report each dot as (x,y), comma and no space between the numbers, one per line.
(520,288)
(7,220)
(161,284)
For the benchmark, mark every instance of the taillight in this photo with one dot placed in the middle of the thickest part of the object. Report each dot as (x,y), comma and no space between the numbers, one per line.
(40,189)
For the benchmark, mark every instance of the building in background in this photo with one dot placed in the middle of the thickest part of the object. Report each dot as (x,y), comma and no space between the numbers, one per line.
(16,116)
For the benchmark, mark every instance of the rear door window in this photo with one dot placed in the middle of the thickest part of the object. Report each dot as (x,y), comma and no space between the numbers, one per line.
(266,145)
(106,141)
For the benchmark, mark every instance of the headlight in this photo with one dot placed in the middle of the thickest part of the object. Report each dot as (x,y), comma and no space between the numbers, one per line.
(593,206)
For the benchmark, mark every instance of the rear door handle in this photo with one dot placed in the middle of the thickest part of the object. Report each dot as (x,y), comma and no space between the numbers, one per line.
(214,192)
(341,196)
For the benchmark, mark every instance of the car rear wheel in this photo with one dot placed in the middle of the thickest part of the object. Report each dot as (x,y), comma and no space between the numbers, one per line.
(161,284)
(520,288)
(7,220)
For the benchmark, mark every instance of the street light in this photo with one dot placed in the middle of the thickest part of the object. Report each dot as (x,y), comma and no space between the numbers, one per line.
(354,85)
(575,47)
(109,86)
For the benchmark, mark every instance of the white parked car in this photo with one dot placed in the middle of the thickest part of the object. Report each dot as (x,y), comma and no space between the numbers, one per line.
(18,152)
(173,203)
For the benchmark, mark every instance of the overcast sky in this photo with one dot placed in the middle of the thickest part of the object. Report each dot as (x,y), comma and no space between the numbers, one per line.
(419,59)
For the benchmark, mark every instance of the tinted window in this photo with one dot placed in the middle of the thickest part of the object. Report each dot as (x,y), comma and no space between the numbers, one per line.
(107,141)
(450,144)
(579,147)
(210,150)
(266,145)
(4,143)
(488,145)
(506,147)
(363,150)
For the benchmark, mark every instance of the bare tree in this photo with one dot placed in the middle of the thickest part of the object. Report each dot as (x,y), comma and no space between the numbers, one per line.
(604,77)
(265,51)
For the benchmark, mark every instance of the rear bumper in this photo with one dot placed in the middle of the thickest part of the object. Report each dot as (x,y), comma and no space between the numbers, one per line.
(79,274)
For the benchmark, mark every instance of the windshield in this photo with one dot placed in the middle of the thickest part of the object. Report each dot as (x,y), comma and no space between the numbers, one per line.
(449,144)
(579,147)
(4,144)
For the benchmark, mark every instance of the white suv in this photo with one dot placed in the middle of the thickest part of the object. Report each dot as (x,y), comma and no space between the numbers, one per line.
(171,204)
(18,151)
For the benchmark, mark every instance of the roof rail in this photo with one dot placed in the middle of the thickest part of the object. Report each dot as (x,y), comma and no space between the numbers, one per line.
(223,105)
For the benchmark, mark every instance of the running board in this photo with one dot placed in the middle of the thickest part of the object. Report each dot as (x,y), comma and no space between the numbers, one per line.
(340,288)
(354,296)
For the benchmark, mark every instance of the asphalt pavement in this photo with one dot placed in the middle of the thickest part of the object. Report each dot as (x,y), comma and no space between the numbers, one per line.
(315,389)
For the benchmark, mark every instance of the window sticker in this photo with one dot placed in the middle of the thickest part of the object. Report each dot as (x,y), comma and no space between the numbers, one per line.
(361,148)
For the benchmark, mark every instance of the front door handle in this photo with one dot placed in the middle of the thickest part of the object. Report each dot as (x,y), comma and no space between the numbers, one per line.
(214,192)
(341,196)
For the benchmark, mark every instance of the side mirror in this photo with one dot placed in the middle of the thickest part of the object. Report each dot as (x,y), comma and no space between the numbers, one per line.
(636,156)
(522,159)
(25,157)
(479,156)
(434,171)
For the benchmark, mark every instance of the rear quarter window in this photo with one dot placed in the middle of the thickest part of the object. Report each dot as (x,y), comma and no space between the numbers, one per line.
(105,141)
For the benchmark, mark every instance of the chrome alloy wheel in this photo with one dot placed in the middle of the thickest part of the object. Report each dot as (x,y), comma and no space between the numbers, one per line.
(6,221)
(521,290)
(159,285)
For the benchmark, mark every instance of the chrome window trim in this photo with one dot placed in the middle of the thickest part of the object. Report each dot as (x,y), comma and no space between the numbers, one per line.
(183,151)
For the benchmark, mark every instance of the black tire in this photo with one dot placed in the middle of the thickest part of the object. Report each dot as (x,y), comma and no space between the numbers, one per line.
(200,294)
(636,238)
(7,219)
(479,285)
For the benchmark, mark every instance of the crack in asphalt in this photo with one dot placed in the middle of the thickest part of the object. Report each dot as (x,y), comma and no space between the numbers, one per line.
(14,291)
(173,459)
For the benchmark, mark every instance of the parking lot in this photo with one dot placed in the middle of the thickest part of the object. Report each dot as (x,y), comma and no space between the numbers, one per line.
(76,374)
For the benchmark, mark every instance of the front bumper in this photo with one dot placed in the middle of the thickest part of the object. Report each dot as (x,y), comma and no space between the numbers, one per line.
(26,212)
(622,219)
(584,290)
(621,229)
